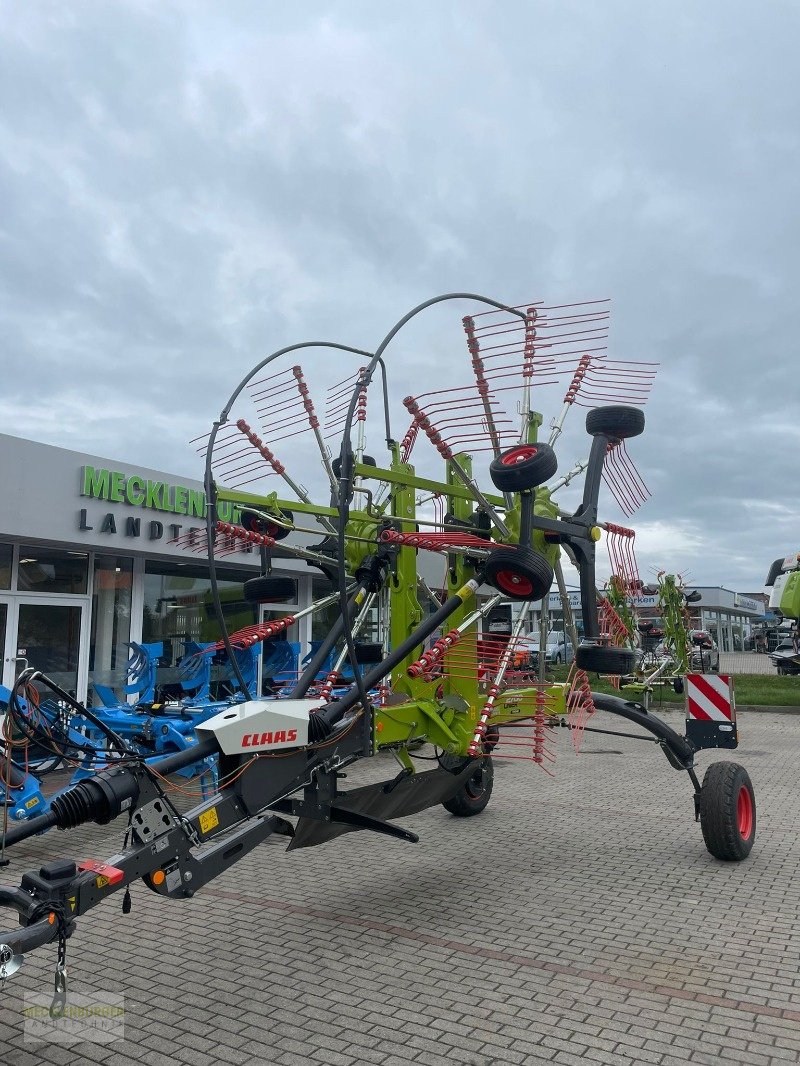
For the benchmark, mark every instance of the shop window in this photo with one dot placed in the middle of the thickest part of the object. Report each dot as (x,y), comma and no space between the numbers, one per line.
(5,566)
(50,571)
(111,619)
(178,606)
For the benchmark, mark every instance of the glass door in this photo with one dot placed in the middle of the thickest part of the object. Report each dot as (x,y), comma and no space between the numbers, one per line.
(6,670)
(49,637)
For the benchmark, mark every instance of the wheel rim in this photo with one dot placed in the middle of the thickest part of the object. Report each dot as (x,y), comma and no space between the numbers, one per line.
(744,812)
(519,455)
(475,786)
(510,581)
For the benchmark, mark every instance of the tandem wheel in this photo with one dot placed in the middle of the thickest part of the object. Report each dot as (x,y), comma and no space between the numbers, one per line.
(728,811)
(475,793)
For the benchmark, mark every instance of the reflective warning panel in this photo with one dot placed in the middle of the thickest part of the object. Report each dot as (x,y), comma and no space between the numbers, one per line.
(710,711)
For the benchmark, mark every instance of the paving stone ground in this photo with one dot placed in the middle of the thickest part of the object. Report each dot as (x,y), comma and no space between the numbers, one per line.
(578,920)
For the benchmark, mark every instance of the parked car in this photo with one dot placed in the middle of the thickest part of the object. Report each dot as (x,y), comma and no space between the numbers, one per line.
(705,653)
(558,648)
(785,657)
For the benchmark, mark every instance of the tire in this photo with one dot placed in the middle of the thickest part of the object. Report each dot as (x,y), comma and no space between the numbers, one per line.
(491,740)
(523,467)
(773,573)
(369,654)
(336,464)
(558,659)
(728,811)
(677,686)
(519,573)
(603,659)
(270,590)
(270,529)
(617,423)
(475,794)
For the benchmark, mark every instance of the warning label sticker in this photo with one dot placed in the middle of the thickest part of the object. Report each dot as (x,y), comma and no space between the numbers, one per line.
(209,820)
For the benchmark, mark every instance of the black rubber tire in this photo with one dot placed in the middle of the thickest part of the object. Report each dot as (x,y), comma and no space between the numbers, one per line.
(616,422)
(722,817)
(369,654)
(270,590)
(604,659)
(519,573)
(475,794)
(523,467)
(677,686)
(491,740)
(336,464)
(261,525)
(773,573)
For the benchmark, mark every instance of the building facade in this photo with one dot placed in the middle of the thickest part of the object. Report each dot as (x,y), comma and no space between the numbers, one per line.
(94,554)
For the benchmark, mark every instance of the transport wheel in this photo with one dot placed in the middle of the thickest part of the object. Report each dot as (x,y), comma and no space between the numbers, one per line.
(256,524)
(618,423)
(336,464)
(474,795)
(519,573)
(603,659)
(269,590)
(677,686)
(369,654)
(728,811)
(491,740)
(523,467)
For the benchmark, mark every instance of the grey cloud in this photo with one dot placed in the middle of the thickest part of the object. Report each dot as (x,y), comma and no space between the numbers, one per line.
(185,187)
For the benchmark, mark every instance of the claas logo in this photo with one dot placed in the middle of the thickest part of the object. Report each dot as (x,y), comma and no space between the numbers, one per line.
(258,740)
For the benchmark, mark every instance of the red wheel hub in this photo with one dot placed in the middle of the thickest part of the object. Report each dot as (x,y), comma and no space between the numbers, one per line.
(510,581)
(744,812)
(519,455)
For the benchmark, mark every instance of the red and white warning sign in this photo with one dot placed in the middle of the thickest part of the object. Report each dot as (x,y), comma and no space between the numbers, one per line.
(710,698)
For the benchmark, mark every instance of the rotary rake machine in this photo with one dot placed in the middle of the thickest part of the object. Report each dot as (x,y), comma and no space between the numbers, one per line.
(436,675)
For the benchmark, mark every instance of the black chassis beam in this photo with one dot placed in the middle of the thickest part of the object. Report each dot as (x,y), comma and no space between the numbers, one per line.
(164,841)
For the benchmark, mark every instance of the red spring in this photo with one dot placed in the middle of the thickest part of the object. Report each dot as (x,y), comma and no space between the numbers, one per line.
(621,554)
(436,542)
(424,423)
(577,379)
(611,625)
(328,685)
(302,388)
(250,635)
(432,656)
(410,439)
(247,536)
(539,728)
(259,445)
(529,352)
(580,707)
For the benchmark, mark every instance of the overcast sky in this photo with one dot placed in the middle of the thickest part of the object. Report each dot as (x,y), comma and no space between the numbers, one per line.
(185,187)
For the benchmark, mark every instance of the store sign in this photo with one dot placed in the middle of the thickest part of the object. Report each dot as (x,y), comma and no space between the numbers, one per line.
(116,487)
(554,601)
(132,490)
(643,601)
(747,603)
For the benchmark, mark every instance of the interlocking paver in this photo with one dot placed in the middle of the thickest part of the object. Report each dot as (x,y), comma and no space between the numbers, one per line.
(578,919)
